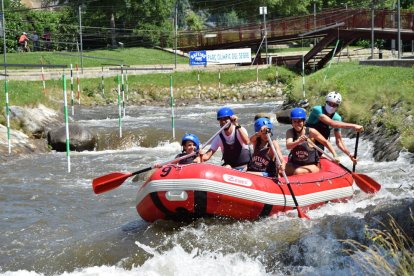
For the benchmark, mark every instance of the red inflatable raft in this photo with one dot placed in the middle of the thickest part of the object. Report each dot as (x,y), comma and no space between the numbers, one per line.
(185,192)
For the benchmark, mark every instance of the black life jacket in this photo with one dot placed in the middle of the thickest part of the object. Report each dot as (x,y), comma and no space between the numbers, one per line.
(261,161)
(234,155)
(303,154)
(188,160)
(323,128)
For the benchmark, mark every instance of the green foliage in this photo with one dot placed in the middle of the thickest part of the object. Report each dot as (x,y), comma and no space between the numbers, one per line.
(365,90)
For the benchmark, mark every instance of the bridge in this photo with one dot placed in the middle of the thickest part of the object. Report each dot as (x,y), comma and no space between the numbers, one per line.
(334,29)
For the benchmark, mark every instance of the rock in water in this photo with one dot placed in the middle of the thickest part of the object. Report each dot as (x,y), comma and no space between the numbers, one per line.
(80,138)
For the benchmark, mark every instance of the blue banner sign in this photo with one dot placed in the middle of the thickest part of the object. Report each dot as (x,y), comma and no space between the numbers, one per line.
(198,58)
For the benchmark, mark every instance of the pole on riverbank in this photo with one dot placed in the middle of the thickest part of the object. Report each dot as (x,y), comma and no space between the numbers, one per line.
(71,91)
(172,106)
(199,85)
(330,62)
(219,83)
(78,81)
(103,83)
(65,104)
(123,90)
(126,83)
(43,82)
(119,106)
(303,77)
(6,89)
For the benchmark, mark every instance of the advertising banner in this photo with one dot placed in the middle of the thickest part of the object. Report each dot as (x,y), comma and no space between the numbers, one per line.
(231,56)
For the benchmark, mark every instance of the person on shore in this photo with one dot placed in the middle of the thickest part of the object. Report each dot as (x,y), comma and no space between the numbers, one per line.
(263,160)
(323,118)
(190,144)
(35,39)
(233,141)
(23,42)
(302,157)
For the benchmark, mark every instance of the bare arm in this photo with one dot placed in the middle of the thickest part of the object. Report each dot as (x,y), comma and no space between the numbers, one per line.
(243,132)
(336,124)
(290,144)
(341,145)
(207,155)
(279,154)
(313,133)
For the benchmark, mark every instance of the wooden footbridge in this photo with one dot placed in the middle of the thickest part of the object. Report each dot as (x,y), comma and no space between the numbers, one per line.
(334,29)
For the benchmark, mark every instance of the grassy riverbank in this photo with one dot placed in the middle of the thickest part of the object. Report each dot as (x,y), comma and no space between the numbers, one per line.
(97,58)
(387,92)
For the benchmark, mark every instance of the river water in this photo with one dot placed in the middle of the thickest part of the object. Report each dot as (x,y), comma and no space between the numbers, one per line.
(52,223)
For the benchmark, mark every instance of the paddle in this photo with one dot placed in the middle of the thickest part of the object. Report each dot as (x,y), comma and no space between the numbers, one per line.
(364,182)
(356,151)
(111,181)
(278,162)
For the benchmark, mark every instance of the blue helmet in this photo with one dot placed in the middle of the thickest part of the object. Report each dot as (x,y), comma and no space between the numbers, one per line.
(298,113)
(262,122)
(224,112)
(192,138)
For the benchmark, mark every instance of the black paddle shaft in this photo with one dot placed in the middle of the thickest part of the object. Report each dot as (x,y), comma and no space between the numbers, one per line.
(356,151)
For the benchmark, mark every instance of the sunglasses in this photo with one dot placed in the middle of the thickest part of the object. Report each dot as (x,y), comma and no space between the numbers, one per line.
(332,104)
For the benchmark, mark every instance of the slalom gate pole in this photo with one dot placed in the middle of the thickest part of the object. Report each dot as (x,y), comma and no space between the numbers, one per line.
(303,76)
(172,106)
(43,82)
(330,62)
(65,102)
(103,83)
(126,83)
(71,91)
(119,106)
(123,90)
(199,86)
(6,89)
(219,79)
(78,81)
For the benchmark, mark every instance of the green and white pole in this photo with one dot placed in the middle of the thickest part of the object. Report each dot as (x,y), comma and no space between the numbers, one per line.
(126,83)
(65,102)
(119,107)
(103,83)
(71,91)
(303,76)
(6,89)
(172,106)
(219,79)
(123,90)
(43,81)
(330,62)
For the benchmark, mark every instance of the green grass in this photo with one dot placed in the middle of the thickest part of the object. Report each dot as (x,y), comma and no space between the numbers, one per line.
(389,251)
(142,56)
(365,90)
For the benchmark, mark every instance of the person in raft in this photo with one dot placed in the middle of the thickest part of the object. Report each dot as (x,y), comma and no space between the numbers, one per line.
(323,118)
(302,157)
(263,160)
(233,141)
(190,143)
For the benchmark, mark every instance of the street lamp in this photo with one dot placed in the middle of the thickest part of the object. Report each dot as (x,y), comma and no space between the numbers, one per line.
(263,10)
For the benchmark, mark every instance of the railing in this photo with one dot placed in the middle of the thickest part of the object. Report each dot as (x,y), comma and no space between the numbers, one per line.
(293,26)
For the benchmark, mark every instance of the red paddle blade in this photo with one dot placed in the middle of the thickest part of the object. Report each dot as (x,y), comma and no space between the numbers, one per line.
(301,214)
(109,182)
(366,183)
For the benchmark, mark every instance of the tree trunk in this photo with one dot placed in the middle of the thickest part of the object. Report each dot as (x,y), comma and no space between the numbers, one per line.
(113,33)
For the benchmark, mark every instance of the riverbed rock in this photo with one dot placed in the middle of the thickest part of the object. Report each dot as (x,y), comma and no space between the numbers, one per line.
(80,138)
(20,144)
(35,121)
